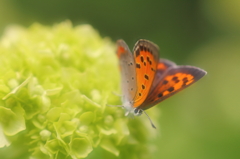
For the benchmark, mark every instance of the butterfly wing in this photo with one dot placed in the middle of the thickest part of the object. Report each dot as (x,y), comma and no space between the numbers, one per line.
(175,79)
(162,66)
(128,71)
(146,59)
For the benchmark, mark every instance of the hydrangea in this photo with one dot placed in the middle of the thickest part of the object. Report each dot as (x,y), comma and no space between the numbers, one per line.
(55,83)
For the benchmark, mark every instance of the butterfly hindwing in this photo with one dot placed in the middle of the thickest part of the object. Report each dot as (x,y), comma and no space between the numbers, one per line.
(128,71)
(146,59)
(163,65)
(174,79)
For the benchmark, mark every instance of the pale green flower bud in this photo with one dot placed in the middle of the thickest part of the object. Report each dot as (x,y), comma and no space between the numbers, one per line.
(55,83)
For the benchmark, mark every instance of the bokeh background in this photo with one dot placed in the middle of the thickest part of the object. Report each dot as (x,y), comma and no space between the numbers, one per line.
(203,121)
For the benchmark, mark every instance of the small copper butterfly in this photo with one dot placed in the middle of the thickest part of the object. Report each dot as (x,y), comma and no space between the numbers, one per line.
(147,80)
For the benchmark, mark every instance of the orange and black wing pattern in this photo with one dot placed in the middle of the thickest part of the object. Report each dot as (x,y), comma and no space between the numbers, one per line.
(146,60)
(163,65)
(173,80)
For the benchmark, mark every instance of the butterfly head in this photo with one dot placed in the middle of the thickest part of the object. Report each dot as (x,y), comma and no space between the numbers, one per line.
(130,110)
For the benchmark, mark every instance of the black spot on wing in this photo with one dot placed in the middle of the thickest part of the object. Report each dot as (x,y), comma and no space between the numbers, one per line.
(165,82)
(138,65)
(170,89)
(153,69)
(137,52)
(175,79)
(148,59)
(146,77)
(160,95)
(142,59)
(185,80)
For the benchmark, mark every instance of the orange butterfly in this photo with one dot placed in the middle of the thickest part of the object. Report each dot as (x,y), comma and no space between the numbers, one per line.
(147,80)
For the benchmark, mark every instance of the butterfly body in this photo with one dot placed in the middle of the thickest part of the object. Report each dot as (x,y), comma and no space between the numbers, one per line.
(147,80)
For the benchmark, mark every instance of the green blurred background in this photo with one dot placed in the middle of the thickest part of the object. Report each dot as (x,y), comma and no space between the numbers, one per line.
(200,122)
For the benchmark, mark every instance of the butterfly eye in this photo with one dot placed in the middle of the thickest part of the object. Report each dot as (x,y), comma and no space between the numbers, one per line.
(138,112)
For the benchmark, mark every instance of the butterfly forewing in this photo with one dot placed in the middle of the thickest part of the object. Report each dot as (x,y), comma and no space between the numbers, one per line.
(172,81)
(146,59)
(128,71)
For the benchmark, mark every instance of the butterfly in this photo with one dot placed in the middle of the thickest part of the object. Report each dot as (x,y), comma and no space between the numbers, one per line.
(147,80)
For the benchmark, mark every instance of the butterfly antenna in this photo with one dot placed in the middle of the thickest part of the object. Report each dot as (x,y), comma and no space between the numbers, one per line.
(116,94)
(114,105)
(149,119)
